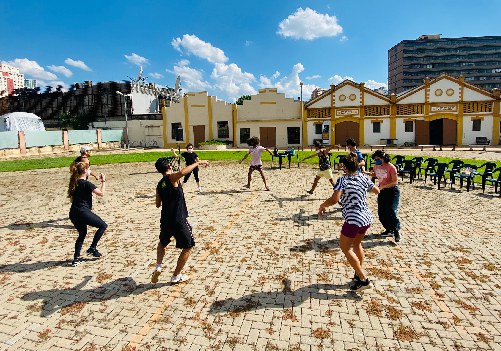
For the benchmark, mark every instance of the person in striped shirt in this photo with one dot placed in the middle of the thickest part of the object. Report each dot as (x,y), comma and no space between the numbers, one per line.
(350,191)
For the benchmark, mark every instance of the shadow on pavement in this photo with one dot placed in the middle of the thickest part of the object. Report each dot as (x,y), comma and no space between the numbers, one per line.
(31,267)
(51,223)
(283,299)
(319,245)
(56,299)
(301,220)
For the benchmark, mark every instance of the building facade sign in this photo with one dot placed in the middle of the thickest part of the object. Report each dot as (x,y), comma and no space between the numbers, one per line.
(347,112)
(443,108)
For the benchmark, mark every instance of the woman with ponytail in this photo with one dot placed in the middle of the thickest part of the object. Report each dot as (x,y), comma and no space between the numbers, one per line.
(80,192)
(350,191)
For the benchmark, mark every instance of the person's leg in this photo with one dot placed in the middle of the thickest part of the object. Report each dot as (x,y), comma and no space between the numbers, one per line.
(345,244)
(195,174)
(164,239)
(249,176)
(358,249)
(314,185)
(392,212)
(264,178)
(181,261)
(160,254)
(382,210)
(95,221)
(186,177)
(82,233)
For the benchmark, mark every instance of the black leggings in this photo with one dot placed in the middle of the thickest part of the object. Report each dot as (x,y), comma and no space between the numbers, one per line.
(195,174)
(81,219)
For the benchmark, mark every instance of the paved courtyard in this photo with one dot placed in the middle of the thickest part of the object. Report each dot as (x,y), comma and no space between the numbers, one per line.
(267,273)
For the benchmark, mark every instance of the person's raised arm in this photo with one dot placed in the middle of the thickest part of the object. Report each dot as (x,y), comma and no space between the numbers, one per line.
(271,153)
(100,191)
(174,177)
(175,155)
(334,199)
(307,157)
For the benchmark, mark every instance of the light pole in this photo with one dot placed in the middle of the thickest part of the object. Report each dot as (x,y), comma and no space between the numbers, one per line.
(301,86)
(126,125)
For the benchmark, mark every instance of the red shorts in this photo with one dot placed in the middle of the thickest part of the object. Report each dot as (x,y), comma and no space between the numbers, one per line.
(352,230)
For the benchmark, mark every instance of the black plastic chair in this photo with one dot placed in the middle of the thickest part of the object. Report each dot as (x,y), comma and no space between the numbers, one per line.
(453,167)
(438,173)
(487,172)
(337,160)
(467,172)
(495,181)
(418,161)
(408,167)
(430,166)
(398,161)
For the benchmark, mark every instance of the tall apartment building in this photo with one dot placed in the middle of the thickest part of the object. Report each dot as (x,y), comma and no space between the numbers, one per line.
(10,79)
(478,59)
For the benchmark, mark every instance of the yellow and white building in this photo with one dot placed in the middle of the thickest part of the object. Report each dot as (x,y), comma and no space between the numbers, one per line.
(443,111)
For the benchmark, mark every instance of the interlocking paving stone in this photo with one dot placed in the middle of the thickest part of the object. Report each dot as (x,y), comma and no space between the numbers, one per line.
(267,273)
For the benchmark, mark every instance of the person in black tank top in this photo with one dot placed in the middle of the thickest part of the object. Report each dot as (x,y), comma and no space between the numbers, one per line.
(324,165)
(80,192)
(173,219)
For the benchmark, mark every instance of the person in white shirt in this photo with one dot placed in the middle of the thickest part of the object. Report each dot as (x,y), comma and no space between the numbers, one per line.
(255,151)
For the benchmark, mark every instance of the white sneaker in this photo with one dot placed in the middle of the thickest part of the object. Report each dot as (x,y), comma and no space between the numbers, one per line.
(179,278)
(155,275)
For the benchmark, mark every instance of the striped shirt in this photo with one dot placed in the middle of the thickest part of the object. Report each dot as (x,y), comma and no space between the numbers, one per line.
(354,190)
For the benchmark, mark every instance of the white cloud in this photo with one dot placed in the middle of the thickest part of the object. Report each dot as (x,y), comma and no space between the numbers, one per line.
(248,43)
(191,44)
(136,59)
(61,69)
(32,69)
(315,76)
(156,75)
(343,38)
(78,64)
(309,25)
(336,79)
(372,84)
(191,78)
(232,81)
(288,84)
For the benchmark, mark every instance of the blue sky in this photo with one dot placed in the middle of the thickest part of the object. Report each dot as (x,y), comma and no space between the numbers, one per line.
(227,48)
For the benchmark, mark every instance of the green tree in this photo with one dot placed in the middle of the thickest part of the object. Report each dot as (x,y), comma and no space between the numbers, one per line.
(80,121)
(240,100)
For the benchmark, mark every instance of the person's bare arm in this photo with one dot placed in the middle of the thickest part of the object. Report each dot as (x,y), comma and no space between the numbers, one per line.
(174,177)
(334,199)
(307,157)
(268,151)
(175,155)
(242,160)
(158,200)
(100,191)
(375,190)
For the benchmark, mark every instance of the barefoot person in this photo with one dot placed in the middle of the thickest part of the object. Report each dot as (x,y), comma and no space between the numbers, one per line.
(80,192)
(350,191)
(190,158)
(324,165)
(255,151)
(173,220)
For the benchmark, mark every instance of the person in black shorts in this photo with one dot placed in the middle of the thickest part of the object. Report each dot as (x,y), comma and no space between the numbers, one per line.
(173,220)
(190,158)
(80,192)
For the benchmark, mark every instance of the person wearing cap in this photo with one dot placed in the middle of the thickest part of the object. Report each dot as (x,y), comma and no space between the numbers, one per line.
(84,157)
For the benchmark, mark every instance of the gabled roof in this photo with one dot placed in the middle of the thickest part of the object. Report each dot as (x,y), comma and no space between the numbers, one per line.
(343,84)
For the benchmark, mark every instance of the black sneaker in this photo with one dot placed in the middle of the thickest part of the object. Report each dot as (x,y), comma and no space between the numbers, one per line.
(397,236)
(76,261)
(355,277)
(360,285)
(310,192)
(93,252)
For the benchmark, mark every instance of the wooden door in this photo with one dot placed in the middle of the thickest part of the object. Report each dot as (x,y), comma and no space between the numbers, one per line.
(268,136)
(198,134)
(344,131)
(422,135)
(449,132)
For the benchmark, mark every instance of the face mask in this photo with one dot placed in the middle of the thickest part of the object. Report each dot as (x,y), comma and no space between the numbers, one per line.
(379,162)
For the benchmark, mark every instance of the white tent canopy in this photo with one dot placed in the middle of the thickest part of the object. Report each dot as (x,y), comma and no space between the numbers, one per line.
(21,121)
